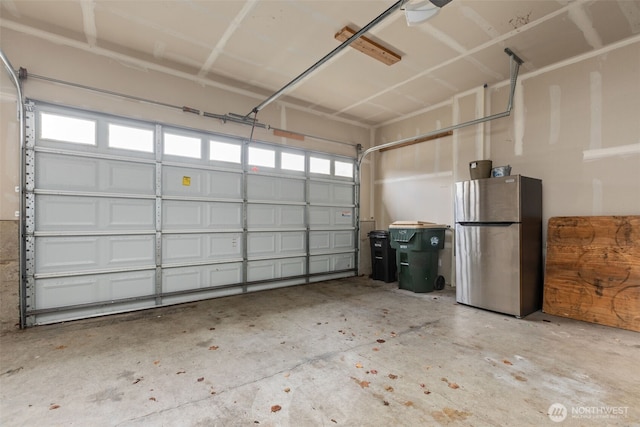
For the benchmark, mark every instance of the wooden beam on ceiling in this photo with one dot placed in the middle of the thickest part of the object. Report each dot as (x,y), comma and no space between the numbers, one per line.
(368,47)
(419,140)
(287,134)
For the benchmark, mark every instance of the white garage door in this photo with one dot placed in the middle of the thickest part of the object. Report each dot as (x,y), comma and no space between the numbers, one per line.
(124,215)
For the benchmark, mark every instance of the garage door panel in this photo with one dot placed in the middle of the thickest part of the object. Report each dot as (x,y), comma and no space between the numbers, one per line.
(292,216)
(319,264)
(320,216)
(275,188)
(60,213)
(343,261)
(261,244)
(179,181)
(342,194)
(275,269)
(72,213)
(291,267)
(331,262)
(326,241)
(343,240)
(275,216)
(275,243)
(191,215)
(202,276)
(60,292)
(66,173)
(184,248)
(292,242)
(124,177)
(57,172)
(320,240)
(343,216)
(319,192)
(224,246)
(330,193)
(326,216)
(85,253)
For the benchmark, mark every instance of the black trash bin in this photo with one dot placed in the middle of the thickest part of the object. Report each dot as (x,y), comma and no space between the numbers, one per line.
(383,256)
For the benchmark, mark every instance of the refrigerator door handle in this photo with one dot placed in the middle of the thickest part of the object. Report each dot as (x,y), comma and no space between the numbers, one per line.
(487,224)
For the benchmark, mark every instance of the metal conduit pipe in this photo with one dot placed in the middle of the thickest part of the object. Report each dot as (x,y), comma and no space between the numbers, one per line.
(328,56)
(514,65)
(20,107)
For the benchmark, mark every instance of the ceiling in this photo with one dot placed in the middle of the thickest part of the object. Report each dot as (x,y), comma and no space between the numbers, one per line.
(259,46)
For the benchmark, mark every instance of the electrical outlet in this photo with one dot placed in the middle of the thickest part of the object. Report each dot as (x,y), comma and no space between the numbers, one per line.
(17,189)
(17,214)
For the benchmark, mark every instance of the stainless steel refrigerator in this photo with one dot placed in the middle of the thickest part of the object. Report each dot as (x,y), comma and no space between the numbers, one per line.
(499,244)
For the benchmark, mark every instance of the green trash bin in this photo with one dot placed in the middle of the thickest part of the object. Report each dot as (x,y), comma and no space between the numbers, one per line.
(417,245)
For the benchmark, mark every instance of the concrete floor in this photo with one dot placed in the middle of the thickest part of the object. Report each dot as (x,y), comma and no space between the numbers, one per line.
(351,352)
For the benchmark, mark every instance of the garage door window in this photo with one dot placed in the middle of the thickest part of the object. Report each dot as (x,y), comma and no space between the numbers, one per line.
(262,157)
(67,129)
(184,146)
(130,138)
(292,162)
(318,165)
(343,169)
(225,152)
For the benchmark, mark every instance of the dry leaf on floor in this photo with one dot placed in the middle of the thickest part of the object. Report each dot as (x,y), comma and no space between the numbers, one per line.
(422,385)
(54,407)
(61,347)
(212,329)
(214,347)
(153,398)
(393,334)
(373,371)
(276,408)
(200,379)
(358,365)
(408,403)
(385,403)
(393,377)
(156,362)
(506,362)
(380,341)
(287,390)
(375,349)
(138,380)
(363,384)
(427,392)
(389,388)
(454,385)
(334,421)
(181,372)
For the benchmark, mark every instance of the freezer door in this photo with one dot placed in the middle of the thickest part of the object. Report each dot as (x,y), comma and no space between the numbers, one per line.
(488,267)
(488,200)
